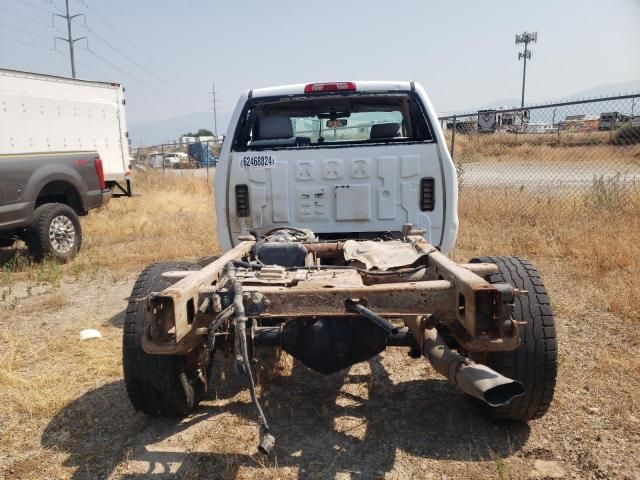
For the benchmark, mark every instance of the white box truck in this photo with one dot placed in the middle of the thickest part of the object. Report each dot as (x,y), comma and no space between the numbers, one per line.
(45,113)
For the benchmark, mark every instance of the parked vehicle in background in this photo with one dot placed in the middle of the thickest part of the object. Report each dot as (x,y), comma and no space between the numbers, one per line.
(512,120)
(612,120)
(41,197)
(201,153)
(174,159)
(50,114)
(336,204)
(579,123)
(487,121)
(538,127)
(155,160)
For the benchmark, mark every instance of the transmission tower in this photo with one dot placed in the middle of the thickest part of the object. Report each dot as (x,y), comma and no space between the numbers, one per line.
(69,39)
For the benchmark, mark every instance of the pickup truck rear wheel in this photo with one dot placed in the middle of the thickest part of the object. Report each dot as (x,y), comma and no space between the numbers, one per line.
(6,242)
(535,362)
(55,232)
(169,385)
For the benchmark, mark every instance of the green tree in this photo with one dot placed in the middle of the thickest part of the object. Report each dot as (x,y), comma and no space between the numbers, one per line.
(203,132)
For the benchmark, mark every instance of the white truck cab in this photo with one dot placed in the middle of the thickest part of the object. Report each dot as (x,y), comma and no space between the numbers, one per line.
(352,160)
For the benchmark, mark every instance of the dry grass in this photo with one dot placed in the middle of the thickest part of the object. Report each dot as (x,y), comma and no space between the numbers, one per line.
(64,412)
(173,218)
(595,244)
(170,218)
(543,148)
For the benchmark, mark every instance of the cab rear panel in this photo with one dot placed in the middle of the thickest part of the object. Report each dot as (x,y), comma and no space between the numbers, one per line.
(364,188)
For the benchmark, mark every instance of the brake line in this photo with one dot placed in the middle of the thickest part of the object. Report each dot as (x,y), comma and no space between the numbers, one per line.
(267,441)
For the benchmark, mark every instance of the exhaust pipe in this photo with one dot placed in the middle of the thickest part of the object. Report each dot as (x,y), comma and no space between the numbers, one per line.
(474,379)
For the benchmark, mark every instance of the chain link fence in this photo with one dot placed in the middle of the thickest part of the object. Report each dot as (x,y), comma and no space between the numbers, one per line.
(570,154)
(195,159)
(578,153)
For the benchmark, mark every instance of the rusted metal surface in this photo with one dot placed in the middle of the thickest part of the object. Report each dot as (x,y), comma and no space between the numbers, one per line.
(172,312)
(325,249)
(382,255)
(396,299)
(481,269)
(480,304)
(455,295)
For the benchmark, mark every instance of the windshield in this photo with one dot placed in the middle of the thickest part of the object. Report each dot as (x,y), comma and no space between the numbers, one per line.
(331,121)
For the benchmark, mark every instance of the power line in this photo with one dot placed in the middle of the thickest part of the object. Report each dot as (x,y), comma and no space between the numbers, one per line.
(29,32)
(155,100)
(123,55)
(161,93)
(135,46)
(131,60)
(84,66)
(112,65)
(38,7)
(29,19)
(34,45)
(95,34)
(50,2)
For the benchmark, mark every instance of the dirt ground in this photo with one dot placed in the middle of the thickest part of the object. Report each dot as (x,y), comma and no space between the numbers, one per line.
(64,412)
(391,417)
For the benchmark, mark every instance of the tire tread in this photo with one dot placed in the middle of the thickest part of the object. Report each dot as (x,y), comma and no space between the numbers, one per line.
(37,234)
(535,361)
(155,383)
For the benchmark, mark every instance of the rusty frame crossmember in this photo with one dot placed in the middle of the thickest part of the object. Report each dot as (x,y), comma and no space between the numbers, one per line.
(477,313)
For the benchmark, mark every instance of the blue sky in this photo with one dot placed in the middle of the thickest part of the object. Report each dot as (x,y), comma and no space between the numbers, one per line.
(168,53)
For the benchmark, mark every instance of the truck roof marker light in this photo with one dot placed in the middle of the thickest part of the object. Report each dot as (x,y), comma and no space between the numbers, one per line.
(330,87)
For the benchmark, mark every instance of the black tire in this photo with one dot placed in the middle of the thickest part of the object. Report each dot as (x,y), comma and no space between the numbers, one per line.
(6,242)
(535,362)
(157,384)
(41,239)
(204,261)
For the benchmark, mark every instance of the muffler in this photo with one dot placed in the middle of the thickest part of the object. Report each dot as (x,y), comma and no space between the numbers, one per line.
(474,379)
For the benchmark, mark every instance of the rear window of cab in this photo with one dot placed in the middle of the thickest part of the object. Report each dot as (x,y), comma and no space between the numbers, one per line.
(331,121)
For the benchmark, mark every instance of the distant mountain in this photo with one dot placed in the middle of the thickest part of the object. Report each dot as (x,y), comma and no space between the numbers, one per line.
(606,90)
(166,131)
(610,89)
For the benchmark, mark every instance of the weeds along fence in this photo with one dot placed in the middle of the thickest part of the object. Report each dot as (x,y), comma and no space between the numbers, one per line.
(568,154)
(195,159)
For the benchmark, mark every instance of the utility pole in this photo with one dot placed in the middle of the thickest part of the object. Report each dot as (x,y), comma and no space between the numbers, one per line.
(525,38)
(215,110)
(70,40)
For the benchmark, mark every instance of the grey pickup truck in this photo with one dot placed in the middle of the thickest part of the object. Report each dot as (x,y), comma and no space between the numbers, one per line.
(42,197)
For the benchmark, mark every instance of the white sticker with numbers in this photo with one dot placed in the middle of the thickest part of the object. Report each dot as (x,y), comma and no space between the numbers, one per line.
(258,161)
